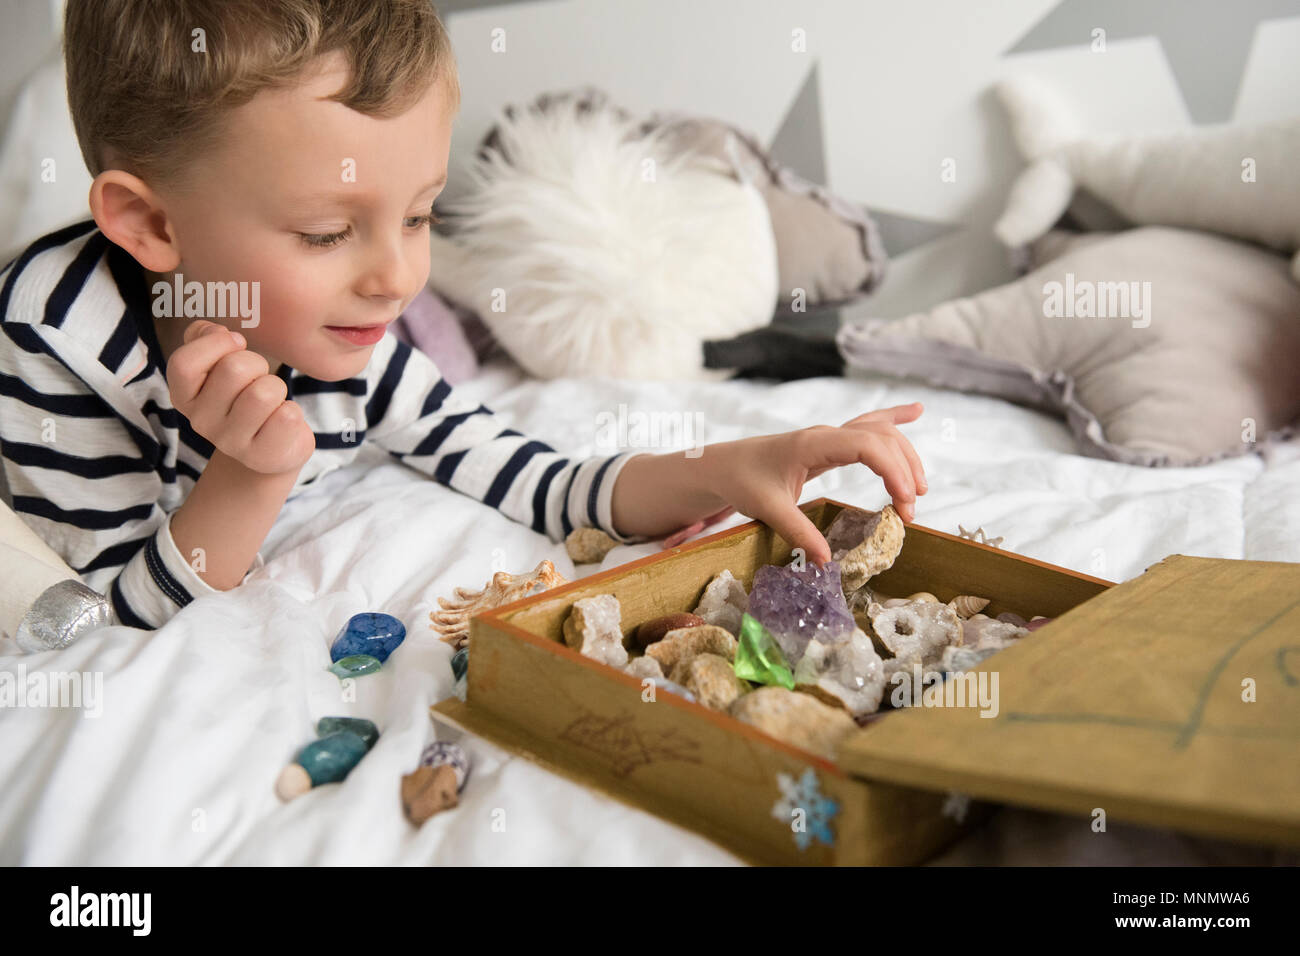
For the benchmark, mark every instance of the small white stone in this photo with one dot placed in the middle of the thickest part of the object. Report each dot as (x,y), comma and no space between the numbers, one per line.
(724,602)
(644,667)
(594,629)
(294,781)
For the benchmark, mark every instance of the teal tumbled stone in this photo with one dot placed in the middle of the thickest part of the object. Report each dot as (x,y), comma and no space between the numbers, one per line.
(460,663)
(331,758)
(363,728)
(355,666)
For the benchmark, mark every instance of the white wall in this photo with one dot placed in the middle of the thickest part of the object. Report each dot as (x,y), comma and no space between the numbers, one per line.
(890,90)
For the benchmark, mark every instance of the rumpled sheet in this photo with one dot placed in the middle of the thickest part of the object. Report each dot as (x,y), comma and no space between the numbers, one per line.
(198,718)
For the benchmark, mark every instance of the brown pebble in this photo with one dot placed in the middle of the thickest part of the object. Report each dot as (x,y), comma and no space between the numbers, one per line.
(428,791)
(654,630)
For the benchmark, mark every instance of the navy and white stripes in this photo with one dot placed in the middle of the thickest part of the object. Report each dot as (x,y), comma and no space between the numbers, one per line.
(97,458)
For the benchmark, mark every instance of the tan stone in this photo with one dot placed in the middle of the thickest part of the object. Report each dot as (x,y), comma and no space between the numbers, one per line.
(588,545)
(684,643)
(711,678)
(800,720)
(864,543)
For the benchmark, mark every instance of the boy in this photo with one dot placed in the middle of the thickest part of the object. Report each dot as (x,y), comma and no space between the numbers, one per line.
(286,154)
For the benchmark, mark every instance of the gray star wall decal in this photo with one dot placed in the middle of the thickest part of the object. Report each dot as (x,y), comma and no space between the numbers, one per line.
(1206,42)
(799,143)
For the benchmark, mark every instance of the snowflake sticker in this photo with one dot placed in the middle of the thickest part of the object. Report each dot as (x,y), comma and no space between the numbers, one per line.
(805,809)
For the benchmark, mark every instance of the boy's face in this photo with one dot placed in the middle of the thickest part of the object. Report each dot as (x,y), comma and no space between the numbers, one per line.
(326,208)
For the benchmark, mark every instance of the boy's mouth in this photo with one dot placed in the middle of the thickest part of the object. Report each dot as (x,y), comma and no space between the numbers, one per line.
(359,334)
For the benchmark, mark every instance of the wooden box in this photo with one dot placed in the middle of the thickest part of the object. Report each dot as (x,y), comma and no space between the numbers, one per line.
(1132,702)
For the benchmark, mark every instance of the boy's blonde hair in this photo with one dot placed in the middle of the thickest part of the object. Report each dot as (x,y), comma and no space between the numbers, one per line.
(140,84)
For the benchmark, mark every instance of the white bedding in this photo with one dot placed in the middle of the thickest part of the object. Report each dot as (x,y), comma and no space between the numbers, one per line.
(199,717)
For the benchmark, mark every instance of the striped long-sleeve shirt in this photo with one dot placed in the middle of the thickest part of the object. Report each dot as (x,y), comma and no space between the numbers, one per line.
(97,458)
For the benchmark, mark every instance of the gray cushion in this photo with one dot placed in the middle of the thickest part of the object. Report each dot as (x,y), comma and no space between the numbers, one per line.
(1209,367)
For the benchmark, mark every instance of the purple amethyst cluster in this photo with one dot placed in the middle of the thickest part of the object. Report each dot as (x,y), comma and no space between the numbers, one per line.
(798,606)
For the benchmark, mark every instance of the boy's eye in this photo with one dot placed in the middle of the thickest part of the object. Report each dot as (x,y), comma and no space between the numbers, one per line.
(418,222)
(325,240)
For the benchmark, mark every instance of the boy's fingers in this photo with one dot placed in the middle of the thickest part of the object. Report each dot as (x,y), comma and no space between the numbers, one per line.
(914,461)
(199,328)
(793,525)
(845,446)
(202,350)
(896,415)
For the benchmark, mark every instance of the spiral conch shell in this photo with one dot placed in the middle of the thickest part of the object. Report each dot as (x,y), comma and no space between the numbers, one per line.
(967,604)
(452,622)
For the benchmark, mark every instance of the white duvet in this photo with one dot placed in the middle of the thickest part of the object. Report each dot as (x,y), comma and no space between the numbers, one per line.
(198,718)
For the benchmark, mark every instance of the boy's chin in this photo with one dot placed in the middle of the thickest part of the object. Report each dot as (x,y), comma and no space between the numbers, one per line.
(325,367)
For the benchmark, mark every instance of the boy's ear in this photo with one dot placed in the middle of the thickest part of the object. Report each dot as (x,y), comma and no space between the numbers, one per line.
(130,214)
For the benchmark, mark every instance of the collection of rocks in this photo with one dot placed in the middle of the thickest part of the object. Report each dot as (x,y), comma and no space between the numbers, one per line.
(800,656)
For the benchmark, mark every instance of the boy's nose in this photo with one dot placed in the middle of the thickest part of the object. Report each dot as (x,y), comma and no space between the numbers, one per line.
(390,276)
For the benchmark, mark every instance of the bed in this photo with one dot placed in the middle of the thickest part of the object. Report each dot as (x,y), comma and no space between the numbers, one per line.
(199,717)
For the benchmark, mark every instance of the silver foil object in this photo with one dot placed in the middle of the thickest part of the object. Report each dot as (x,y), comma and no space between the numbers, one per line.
(64,611)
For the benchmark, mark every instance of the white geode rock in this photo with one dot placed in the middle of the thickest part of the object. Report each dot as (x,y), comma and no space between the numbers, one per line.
(724,602)
(594,629)
(848,673)
(917,631)
(983,633)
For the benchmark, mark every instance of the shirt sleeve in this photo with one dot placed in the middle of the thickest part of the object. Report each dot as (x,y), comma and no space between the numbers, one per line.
(414,414)
(84,480)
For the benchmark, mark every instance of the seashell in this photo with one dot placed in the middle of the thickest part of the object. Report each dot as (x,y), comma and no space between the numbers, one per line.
(895,602)
(979,617)
(967,604)
(924,596)
(452,622)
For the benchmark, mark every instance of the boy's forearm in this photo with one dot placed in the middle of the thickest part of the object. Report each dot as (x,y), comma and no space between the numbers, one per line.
(660,494)
(228,514)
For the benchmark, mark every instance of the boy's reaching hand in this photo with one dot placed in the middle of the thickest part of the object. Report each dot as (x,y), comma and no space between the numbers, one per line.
(763,477)
(232,400)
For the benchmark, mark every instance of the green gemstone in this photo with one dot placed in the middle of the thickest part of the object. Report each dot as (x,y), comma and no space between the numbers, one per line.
(363,728)
(355,665)
(759,658)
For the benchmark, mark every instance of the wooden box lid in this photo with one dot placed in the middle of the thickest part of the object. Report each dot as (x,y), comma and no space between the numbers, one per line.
(1138,702)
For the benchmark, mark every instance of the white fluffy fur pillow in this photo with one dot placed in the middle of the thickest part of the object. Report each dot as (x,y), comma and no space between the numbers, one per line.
(1240,181)
(595,251)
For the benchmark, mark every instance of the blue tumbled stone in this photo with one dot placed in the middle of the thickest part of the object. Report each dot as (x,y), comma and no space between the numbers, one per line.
(363,728)
(460,663)
(331,758)
(371,632)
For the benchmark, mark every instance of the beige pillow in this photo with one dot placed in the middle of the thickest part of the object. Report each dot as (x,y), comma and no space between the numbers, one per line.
(1160,346)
